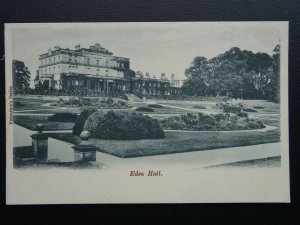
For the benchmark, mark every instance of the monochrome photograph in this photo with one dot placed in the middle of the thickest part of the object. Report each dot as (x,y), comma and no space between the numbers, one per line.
(147,112)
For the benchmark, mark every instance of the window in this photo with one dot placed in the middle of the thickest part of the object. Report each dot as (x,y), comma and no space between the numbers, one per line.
(58,57)
(88,61)
(106,63)
(54,58)
(98,62)
(97,69)
(106,71)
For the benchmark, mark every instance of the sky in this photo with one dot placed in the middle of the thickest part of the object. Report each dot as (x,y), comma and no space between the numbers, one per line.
(155,48)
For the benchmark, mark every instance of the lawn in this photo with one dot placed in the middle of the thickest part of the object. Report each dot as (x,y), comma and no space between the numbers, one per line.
(265,162)
(30,122)
(176,142)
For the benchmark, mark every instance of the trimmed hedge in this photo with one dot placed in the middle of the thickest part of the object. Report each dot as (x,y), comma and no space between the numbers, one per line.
(120,125)
(199,107)
(155,106)
(144,109)
(63,117)
(258,107)
(84,115)
(249,110)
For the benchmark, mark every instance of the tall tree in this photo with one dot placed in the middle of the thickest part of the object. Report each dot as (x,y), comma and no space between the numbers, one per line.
(21,76)
(274,89)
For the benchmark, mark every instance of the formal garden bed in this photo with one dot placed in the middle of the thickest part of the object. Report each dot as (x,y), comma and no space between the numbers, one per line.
(213,122)
(101,103)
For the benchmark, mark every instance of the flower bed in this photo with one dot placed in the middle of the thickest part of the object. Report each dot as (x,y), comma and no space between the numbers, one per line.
(102,103)
(217,122)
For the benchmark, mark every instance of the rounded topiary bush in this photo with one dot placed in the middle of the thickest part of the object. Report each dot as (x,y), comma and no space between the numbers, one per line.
(119,125)
(80,121)
(63,117)
(144,109)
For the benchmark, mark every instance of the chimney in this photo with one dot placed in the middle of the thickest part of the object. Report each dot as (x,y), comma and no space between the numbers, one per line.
(56,47)
(163,76)
(147,76)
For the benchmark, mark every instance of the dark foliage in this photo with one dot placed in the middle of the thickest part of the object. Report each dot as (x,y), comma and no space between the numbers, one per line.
(117,125)
(18,104)
(21,77)
(211,122)
(80,121)
(236,73)
(144,109)
(155,106)
(199,107)
(63,117)
(227,108)
(258,107)
(249,110)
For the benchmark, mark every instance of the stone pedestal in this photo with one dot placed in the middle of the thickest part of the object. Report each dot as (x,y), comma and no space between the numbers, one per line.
(40,144)
(84,151)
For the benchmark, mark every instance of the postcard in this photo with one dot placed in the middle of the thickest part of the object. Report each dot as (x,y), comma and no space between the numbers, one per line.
(146,112)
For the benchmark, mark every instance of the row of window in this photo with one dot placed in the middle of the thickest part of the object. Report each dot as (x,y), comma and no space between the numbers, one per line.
(88,61)
(50,60)
(49,70)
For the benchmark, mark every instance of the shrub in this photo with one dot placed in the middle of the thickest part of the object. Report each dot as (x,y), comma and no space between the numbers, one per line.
(144,109)
(258,107)
(199,107)
(249,110)
(220,121)
(63,117)
(242,114)
(155,106)
(231,108)
(84,115)
(122,103)
(119,125)
(109,101)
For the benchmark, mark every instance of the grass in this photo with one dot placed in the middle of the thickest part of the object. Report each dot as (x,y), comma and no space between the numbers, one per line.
(266,162)
(30,122)
(63,117)
(176,142)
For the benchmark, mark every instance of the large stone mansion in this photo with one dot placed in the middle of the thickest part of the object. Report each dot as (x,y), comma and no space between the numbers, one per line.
(96,71)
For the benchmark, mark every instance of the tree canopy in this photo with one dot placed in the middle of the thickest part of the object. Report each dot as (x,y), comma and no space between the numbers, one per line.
(235,73)
(21,76)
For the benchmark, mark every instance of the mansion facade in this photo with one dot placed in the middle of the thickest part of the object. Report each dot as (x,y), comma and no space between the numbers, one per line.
(96,71)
